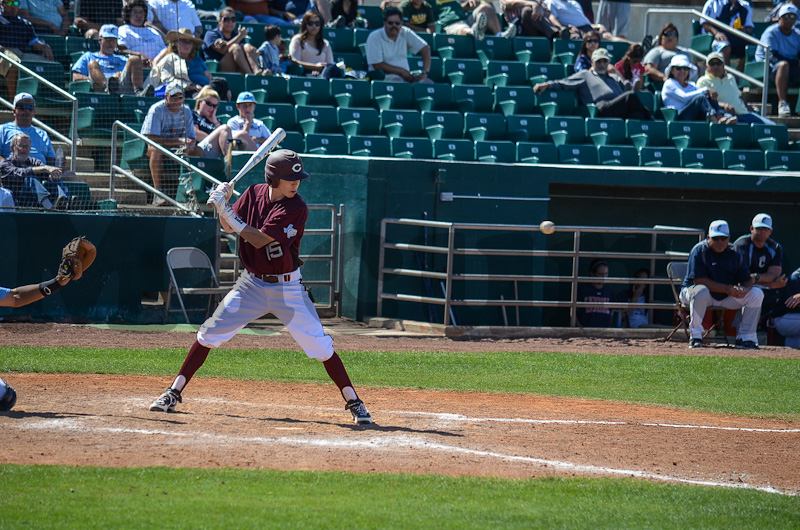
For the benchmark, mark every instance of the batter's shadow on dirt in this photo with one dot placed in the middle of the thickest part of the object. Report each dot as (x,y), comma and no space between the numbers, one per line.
(22,415)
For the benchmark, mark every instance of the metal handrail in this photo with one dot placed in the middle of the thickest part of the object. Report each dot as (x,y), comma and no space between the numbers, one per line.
(72,141)
(744,36)
(448,276)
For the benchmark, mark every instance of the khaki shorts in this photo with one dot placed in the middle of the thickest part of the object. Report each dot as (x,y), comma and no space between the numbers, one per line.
(125,82)
(457,28)
(18,56)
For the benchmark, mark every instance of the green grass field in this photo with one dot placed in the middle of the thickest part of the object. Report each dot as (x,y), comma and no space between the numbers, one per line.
(67,497)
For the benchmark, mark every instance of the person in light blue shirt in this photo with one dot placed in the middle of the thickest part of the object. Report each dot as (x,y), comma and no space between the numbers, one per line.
(109,72)
(24,112)
(784,60)
(269,55)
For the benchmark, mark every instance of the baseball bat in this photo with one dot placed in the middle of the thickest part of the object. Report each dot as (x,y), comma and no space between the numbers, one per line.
(261,153)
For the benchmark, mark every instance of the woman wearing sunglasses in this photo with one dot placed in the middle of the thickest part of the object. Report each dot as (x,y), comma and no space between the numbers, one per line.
(657,59)
(226,45)
(309,49)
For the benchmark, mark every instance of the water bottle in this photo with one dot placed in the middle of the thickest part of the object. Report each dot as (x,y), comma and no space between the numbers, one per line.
(60,157)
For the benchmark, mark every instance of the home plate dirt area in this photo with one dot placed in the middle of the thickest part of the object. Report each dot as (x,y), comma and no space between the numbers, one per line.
(103,420)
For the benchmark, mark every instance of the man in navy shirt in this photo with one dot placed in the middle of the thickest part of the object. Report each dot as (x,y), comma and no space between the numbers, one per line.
(718,276)
(19,41)
(763,255)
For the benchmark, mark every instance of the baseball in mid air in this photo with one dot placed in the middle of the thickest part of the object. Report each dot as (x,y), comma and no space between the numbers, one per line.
(547,227)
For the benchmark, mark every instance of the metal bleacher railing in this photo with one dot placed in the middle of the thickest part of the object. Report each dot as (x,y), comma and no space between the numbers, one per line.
(448,276)
(72,140)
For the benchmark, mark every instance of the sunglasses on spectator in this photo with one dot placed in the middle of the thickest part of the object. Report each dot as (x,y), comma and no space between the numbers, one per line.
(394,23)
(25,107)
(185,41)
(720,238)
(229,19)
(176,96)
(715,63)
(314,23)
(787,15)
(594,41)
(600,61)
(212,105)
(670,34)
(12,3)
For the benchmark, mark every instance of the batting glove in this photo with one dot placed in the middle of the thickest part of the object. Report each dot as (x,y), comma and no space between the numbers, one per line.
(226,189)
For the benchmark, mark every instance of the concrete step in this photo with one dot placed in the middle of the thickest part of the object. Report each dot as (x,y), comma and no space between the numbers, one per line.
(133,197)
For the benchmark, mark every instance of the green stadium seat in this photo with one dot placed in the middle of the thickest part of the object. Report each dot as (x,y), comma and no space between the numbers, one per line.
(616,49)
(436,96)
(648,99)
(577,154)
(643,133)
(360,36)
(511,100)
(536,153)
(506,73)
(133,155)
(541,72)
(294,141)
(58,45)
(81,45)
(532,49)
(106,111)
(428,38)
(495,151)
(208,25)
(279,115)
(606,131)
(359,121)
(373,14)
(770,137)
(618,155)
(463,71)
(688,133)
(317,118)
(277,87)
(557,102)
(351,92)
(287,32)
(494,48)
(434,74)
(659,157)
(473,98)
(526,128)
(445,124)
(75,86)
(392,95)
(566,129)
(341,39)
(450,149)
(421,148)
(701,158)
(702,43)
(402,123)
(744,159)
(372,146)
(484,126)
(52,71)
(454,46)
(726,136)
(213,166)
(310,90)
(565,51)
(134,107)
(235,82)
(351,60)
(782,160)
(326,144)
(81,195)
(255,33)
(229,108)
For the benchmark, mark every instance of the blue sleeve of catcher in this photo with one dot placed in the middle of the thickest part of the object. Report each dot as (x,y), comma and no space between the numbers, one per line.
(4,292)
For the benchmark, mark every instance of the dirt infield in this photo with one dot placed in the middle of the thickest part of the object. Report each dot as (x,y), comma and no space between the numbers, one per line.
(103,420)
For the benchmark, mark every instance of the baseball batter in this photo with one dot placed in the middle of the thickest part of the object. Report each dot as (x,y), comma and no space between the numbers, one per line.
(270,220)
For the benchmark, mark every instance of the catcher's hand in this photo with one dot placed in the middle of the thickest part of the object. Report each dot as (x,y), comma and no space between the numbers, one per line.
(76,257)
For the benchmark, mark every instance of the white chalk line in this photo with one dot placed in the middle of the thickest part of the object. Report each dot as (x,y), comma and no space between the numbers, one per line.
(467,419)
(401,441)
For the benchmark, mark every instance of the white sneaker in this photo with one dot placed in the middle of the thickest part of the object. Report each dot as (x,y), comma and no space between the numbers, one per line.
(510,32)
(479,27)
(158,200)
(166,402)
(784,111)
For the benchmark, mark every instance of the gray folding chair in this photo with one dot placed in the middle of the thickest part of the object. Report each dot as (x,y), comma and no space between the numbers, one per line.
(183,258)
(676,272)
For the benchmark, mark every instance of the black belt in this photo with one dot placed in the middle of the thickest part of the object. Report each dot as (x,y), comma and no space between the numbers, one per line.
(272,278)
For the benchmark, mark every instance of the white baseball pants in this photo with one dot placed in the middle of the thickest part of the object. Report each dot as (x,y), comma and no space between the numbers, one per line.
(698,298)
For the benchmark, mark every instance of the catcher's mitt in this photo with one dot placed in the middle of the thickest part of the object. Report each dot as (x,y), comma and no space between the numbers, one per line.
(76,257)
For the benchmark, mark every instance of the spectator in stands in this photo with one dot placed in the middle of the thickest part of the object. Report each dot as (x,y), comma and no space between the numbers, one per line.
(24,112)
(21,175)
(227,45)
(310,50)
(180,62)
(591,42)
(603,88)
(138,36)
(256,11)
(246,128)
(470,17)
(630,67)
(586,9)
(291,11)
(531,17)
(205,113)
(784,46)
(614,15)
(109,72)
(595,317)
(269,53)
(417,16)
(637,293)
(569,17)
(343,13)
(762,254)
(718,276)
(172,15)
(91,15)
(170,124)
(387,49)
(658,58)
(773,17)
(787,321)
(738,15)
(729,96)
(18,39)
(692,103)
(48,16)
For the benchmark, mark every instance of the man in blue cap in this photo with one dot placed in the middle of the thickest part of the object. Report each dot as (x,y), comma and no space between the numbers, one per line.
(718,277)
(245,128)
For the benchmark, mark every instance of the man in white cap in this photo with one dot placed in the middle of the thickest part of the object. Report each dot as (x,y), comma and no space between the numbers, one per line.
(718,277)
(763,255)
(170,124)
(784,60)
(597,86)
(729,96)
(109,72)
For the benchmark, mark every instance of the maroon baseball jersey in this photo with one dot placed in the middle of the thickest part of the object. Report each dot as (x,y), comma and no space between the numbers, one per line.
(283,220)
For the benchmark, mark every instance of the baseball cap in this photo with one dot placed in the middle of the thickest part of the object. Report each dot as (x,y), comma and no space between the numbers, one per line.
(600,53)
(22,96)
(108,31)
(762,220)
(173,88)
(786,9)
(286,165)
(715,55)
(719,228)
(245,97)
